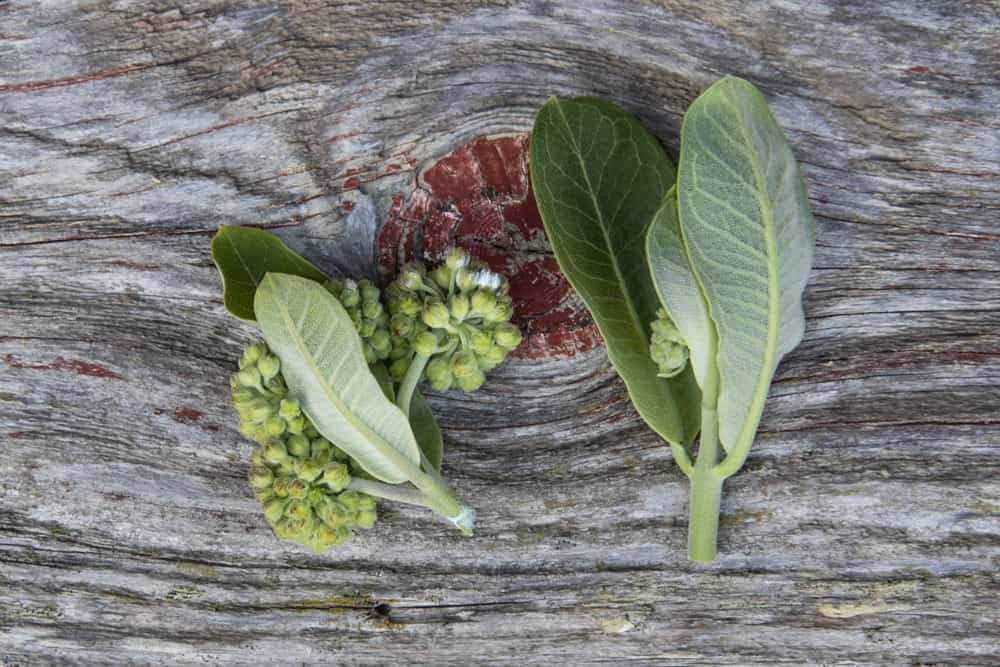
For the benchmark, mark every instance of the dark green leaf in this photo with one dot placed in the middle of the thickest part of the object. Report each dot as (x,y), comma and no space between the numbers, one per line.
(244,255)
(599,177)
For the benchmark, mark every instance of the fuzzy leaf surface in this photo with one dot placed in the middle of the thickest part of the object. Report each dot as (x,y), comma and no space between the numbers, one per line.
(325,369)
(749,233)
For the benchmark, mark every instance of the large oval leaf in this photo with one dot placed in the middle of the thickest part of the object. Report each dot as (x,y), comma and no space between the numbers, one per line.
(598,177)
(322,362)
(749,234)
(244,255)
(678,287)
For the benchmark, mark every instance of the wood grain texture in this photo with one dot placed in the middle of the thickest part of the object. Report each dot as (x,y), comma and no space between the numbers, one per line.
(865,528)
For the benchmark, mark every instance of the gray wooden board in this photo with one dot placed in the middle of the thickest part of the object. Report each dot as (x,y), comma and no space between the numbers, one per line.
(864,528)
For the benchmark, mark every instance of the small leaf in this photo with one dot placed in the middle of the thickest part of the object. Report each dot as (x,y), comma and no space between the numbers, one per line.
(678,287)
(749,234)
(244,255)
(422,421)
(324,367)
(426,429)
(599,177)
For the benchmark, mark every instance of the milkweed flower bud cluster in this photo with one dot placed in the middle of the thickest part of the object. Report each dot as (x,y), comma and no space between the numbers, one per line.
(666,345)
(362,301)
(299,477)
(458,315)
(261,397)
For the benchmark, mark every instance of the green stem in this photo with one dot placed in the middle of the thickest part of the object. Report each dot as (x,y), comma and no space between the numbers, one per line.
(706,493)
(706,482)
(405,394)
(400,494)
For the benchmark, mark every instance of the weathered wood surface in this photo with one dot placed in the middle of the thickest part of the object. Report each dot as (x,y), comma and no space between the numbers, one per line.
(864,529)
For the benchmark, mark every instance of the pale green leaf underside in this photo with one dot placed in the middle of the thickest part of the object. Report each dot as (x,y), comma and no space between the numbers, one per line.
(325,368)
(678,287)
(749,233)
(599,177)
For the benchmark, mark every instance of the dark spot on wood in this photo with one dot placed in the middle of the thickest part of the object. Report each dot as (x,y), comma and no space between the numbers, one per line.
(60,364)
(187,415)
(479,197)
(134,265)
(917,69)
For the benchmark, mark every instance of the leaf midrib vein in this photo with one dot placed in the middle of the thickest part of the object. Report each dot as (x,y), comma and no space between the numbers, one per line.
(773,297)
(363,429)
(600,219)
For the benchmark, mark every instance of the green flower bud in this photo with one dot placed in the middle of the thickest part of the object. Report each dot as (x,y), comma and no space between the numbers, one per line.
(280,486)
(366,519)
(401,325)
(472,381)
(507,335)
(398,368)
(268,366)
(249,377)
(334,287)
(371,309)
(441,277)
(259,411)
(367,328)
(242,397)
(481,303)
(257,458)
(274,510)
(368,291)
(381,343)
(297,445)
(465,280)
(411,277)
(350,295)
(298,509)
(261,477)
(332,513)
(410,305)
(436,315)
(336,476)
(667,346)
(458,306)
(252,353)
(309,470)
(425,344)
(298,489)
(274,426)
(289,408)
(457,258)
(296,424)
(275,452)
(501,312)
(463,363)
(369,353)
(443,382)
(495,355)
(327,537)
(480,341)
(439,371)
(351,501)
